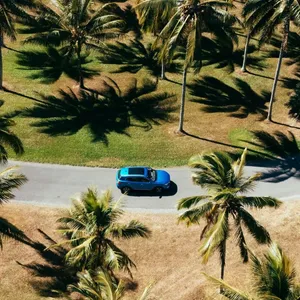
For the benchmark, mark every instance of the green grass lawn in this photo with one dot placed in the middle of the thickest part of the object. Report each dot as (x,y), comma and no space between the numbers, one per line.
(158,147)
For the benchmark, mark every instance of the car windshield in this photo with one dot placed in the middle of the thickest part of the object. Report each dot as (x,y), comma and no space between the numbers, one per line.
(152,174)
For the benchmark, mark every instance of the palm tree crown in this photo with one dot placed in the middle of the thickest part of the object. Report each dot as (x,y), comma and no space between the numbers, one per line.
(74,24)
(264,17)
(274,278)
(225,183)
(91,224)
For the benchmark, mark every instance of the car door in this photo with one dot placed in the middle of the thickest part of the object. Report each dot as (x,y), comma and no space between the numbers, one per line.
(146,184)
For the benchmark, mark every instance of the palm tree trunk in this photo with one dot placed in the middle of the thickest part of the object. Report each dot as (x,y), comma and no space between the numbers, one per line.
(80,79)
(1,61)
(163,69)
(223,260)
(281,53)
(246,53)
(181,115)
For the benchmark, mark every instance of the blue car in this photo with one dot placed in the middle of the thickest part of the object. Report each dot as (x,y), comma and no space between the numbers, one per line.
(142,179)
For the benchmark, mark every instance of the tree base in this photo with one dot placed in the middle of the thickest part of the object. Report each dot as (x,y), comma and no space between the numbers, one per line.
(179,132)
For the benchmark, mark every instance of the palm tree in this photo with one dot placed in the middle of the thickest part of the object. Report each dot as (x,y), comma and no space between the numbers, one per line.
(274,278)
(10,11)
(74,25)
(264,17)
(90,225)
(10,180)
(191,19)
(98,285)
(153,16)
(225,185)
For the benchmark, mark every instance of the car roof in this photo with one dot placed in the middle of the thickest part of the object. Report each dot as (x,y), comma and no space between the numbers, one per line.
(133,171)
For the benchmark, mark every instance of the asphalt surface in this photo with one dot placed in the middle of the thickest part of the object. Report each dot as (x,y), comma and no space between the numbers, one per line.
(55,185)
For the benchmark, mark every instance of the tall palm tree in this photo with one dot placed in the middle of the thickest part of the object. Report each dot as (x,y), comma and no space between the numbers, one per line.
(274,278)
(10,11)
(225,184)
(10,180)
(74,25)
(90,226)
(264,17)
(191,19)
(153,16)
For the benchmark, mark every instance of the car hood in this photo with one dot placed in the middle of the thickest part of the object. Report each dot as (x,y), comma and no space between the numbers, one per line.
(162,177)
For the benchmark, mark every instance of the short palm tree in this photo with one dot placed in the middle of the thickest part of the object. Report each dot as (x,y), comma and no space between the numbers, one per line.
(10,180)
(225,185)
(186,27)
(74,25)
(98,285)
(264,17)
(274,278)
(10,11)
(90,227)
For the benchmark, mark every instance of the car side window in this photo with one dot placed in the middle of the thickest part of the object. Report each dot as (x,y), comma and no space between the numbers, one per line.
(145,180)
(139,179)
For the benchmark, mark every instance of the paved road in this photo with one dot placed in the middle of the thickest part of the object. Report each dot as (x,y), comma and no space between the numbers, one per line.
(55,184)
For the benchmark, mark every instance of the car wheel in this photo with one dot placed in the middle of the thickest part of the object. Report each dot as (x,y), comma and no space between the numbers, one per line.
(158,189)
(125,190)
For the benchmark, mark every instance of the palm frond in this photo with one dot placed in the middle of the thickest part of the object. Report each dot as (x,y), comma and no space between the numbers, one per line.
(128,231)
(260,234)
(227,290)
(215,236)
(259,202)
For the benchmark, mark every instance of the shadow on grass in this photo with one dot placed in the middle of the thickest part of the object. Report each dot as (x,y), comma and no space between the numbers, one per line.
(253,154)
(293,52)
(284,154)
(103,111)
(50,64)
(224,55)
(219,97)
(262,76)
(21,95)
(165,193)
(134,56)
(290,83)
(53,275)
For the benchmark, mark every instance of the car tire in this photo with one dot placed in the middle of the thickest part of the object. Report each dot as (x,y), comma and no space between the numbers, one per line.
(158,189)
(125,190)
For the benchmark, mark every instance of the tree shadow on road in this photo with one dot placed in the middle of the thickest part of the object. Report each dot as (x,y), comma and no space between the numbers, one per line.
(285,151)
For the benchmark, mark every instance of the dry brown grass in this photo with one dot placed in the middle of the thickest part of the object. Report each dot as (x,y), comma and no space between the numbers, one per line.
(169,257)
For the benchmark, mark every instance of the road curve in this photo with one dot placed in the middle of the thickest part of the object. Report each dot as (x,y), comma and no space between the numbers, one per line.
(54,185)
